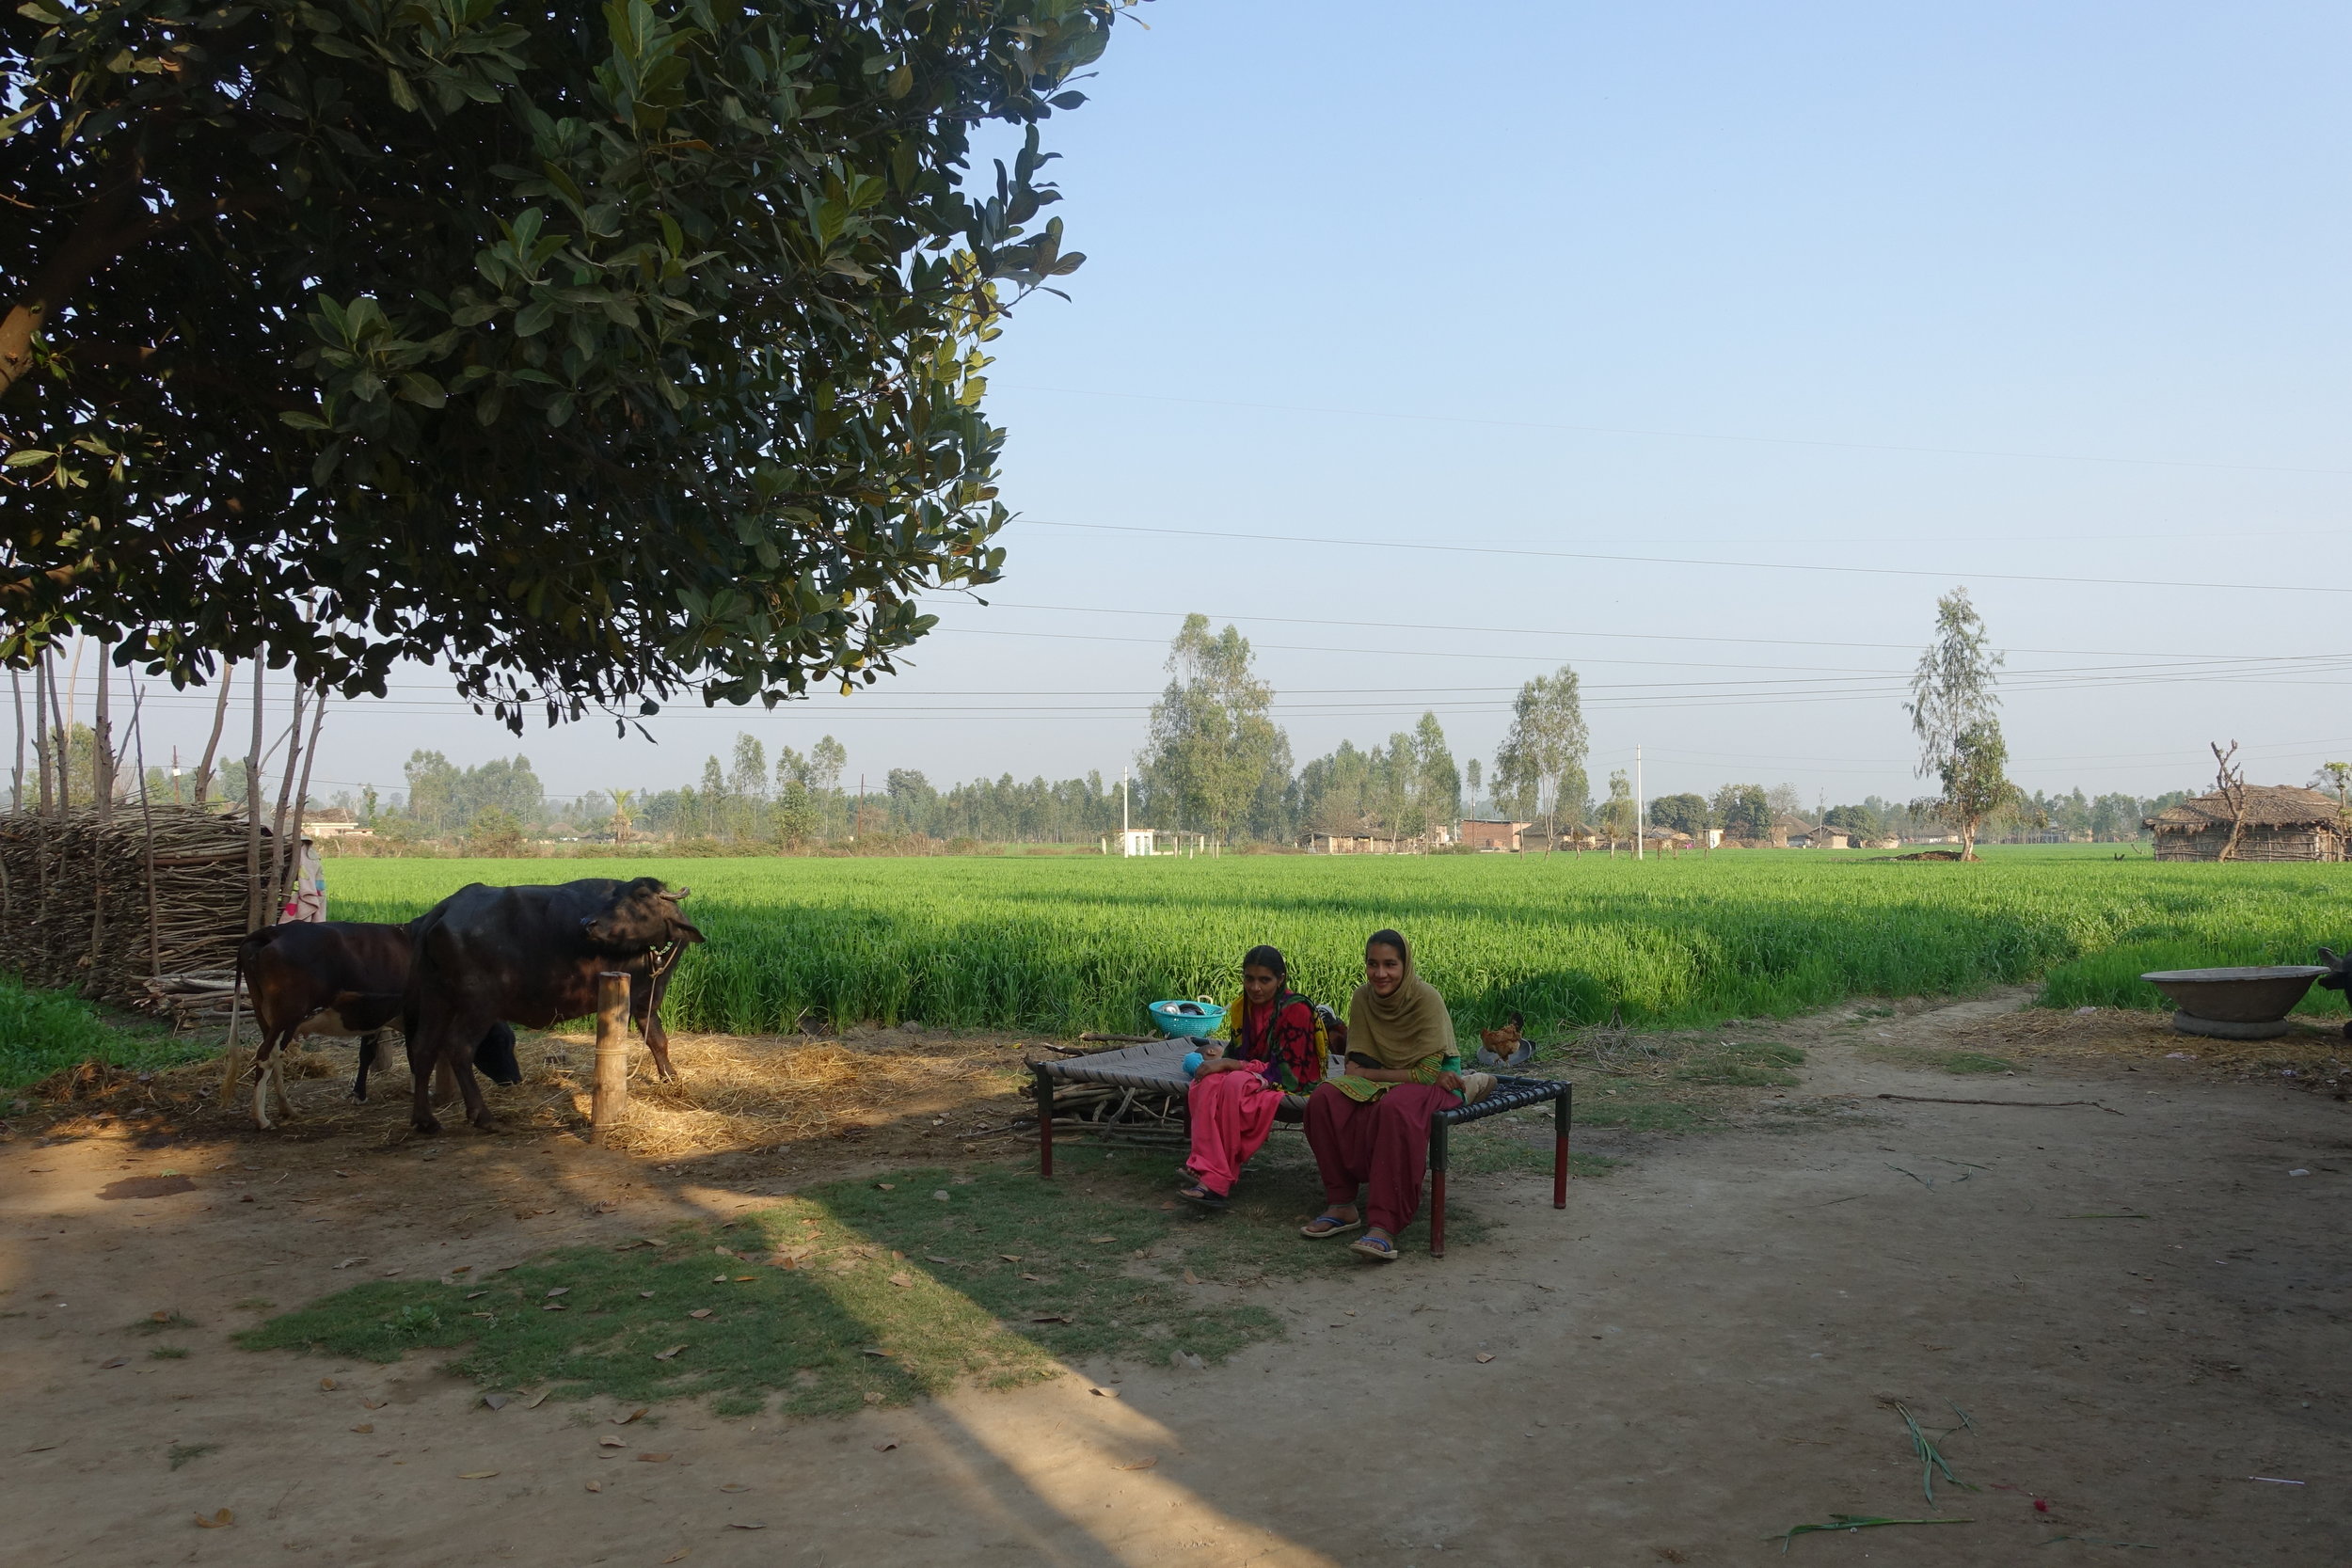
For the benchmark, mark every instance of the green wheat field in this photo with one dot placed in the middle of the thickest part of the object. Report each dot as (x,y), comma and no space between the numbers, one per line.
(1068,944)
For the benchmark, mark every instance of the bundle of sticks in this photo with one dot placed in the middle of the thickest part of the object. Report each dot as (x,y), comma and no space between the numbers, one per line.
(138,907)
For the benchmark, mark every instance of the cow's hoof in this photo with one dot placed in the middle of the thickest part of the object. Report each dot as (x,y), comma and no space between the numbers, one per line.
(426,1125)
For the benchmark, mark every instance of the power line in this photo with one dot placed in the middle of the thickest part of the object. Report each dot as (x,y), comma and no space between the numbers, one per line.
(1678,561)
(1682,434)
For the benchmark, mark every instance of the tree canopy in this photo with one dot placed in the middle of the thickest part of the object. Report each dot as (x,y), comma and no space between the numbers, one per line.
(1955,712)
(596,354)
(1539,769)
(1214,745)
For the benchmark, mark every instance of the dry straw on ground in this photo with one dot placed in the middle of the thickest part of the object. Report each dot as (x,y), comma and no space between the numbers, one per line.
(731,1094)
(2120,1033)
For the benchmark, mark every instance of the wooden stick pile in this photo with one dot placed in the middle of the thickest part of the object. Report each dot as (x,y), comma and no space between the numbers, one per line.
(138,908)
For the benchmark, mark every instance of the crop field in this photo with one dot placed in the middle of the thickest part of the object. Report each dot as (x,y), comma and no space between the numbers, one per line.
(1086,943)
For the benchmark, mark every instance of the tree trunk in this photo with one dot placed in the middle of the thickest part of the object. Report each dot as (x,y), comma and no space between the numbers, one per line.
(102,762)
(212,743)
(253,921)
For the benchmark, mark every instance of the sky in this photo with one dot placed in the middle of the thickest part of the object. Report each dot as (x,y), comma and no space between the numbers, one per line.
(1699,348)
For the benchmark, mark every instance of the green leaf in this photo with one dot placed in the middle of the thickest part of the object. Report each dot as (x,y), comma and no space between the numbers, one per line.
(296,418)
(27,458)
(421,388)
(532,319)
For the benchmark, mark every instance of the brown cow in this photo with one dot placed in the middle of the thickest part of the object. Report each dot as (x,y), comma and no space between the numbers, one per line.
(334,978)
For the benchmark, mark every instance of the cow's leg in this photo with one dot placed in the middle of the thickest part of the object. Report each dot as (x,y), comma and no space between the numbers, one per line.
(370,1044)
(278,1081)
(444,1084)
(458,1043)
(423,1040)
(657,1038)
(266,1060)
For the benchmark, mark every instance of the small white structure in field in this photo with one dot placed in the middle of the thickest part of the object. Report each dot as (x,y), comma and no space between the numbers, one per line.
(1138,841)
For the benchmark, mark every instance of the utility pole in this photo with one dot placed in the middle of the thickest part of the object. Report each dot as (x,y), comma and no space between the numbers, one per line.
(1637,801)
(1122,811)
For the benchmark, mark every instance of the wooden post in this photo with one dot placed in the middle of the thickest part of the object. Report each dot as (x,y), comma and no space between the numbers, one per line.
(611,1091)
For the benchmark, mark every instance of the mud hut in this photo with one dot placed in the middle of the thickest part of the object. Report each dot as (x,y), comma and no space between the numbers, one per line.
(2282,823)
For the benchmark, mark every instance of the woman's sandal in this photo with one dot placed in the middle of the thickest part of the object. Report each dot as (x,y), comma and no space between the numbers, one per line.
(1325,1225)
(1381,1247)
(1201,1198)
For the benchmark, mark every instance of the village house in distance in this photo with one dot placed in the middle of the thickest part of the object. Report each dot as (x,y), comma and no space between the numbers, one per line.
(2281,822)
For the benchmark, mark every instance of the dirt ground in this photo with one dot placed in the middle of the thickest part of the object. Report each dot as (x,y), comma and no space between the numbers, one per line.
(2140,1304)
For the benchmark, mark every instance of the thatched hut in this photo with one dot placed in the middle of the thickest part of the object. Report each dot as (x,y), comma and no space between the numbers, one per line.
(2282,823)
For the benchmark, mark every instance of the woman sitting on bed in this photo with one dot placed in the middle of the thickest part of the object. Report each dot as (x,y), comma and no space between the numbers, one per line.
(1279,1047)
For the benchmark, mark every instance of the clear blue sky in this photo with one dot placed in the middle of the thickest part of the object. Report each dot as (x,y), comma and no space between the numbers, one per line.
(1976,293)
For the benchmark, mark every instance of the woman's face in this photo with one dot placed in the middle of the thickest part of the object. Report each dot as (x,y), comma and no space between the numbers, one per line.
(1260,985)
(1384,968)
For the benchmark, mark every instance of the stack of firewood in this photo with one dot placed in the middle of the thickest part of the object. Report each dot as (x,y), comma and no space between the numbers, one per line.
(142,908)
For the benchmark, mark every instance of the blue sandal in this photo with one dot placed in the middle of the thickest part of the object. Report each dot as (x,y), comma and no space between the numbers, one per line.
(1382,1247)
(1324,1225)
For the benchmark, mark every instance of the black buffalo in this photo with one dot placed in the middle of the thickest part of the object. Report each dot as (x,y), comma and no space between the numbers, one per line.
(335,978)
(531,956)
(2339,977)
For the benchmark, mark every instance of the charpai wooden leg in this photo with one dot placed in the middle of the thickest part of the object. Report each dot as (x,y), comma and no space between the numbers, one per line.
(1438,1126)
(1560,1146)
(1044,1119)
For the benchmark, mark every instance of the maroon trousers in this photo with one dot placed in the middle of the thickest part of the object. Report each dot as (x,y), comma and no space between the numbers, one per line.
(1383,1145)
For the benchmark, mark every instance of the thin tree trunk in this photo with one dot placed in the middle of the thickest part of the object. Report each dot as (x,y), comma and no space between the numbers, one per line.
(212,743)
(302,795)
(63,747)
(40,726)
(102,761)
(147,822)
(16,778)
(278,850)
(253,805)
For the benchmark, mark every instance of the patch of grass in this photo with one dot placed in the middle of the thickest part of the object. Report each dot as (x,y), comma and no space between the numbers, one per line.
(43,1032)
(182,1452)
(168,1352)
(163,1323)
(1744,1067)
(971,1287)
(255,1304)
(1957,1062)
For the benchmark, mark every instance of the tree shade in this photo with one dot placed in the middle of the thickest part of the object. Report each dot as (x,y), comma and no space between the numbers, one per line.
(596,354)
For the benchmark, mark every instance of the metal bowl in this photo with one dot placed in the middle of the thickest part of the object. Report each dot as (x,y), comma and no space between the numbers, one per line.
(1197,1023)
(2258,994)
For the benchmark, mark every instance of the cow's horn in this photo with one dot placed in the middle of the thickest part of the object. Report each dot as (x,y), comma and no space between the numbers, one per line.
(681,893)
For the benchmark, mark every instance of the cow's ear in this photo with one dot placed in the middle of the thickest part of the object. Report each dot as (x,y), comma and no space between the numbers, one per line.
(684,930)
(2328,958)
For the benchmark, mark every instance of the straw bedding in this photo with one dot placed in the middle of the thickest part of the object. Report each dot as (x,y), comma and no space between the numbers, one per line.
(732,1093)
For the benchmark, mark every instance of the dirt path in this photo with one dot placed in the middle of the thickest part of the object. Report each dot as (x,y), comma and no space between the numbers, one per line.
(1701,1351)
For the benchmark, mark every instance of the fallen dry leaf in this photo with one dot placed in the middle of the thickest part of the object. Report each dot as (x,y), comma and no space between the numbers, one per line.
(159,1317)
(745,1278)
(699,1312)
(940,1194)
(1037,1277)
(595,1486)
(1143,1464)
(678,1556)
(934,1258)
(476,1295)
(1052,1318)
(1106,1393)
(374,1404)
(1098,1241)
(886,1186)
(538,1399)
(608,1442)
(477,1474)
(735,1486)
(872,1350)
(364,1426)
(1483,1359)
(216,1521)
(463,1268)
(872,1397)
(732,1525)
(624,1420)
(117,1361)
(329,1384)
(718,1279)
(498,1402)
(884,1448)
(350,1262)
(666,1355)
(1009,1257)
(653,1459)
(903,1279)
(553,1306)
(1191,1278)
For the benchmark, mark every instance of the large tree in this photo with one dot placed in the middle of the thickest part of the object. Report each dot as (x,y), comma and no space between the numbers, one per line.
(596,354)
(1539,769)
(1955,713)
(1212,741)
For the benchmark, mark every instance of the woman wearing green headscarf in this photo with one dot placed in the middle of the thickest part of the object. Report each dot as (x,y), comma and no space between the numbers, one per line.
(1371,1127)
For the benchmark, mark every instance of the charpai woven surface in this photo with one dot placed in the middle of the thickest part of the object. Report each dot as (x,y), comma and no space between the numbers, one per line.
(1161,1066)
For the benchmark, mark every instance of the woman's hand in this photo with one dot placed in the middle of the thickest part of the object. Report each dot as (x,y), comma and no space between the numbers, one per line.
(1220,1064)
(1450,1082)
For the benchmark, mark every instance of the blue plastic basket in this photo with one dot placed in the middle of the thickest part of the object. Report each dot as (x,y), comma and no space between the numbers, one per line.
(1199,1023)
